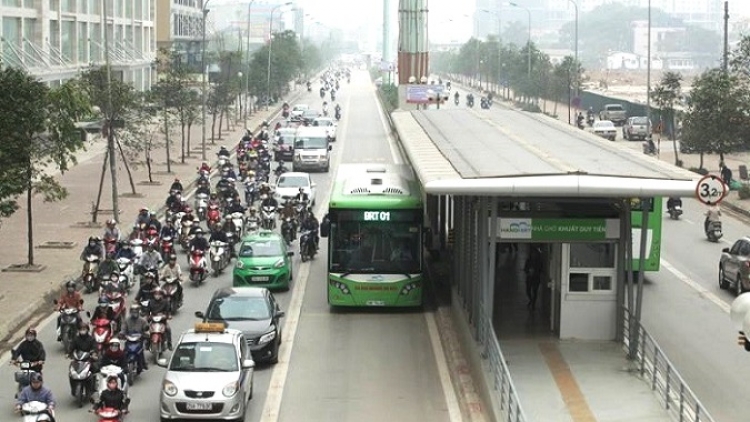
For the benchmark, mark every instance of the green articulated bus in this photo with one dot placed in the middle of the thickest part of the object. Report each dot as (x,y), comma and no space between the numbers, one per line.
(374,230)
(653,248)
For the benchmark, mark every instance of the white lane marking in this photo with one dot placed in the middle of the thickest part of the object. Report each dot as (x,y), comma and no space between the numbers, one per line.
(696,286)
(451,401)
(726,241)
(688,221)
(275,393)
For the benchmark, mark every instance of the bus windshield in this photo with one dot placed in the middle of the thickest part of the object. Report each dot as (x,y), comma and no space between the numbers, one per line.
(375,247)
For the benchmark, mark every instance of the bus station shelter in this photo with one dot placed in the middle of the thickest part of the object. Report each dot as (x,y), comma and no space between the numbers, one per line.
(500,178)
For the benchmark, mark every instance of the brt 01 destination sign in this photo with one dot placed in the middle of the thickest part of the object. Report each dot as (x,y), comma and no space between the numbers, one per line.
(378,216)
(559,229)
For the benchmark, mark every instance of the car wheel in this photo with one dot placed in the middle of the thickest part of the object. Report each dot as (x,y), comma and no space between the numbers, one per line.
(275,357)
(723,283)
(738,286)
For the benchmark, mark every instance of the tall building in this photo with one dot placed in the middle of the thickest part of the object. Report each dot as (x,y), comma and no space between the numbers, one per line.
(55,40)
(179,28)
(233,19)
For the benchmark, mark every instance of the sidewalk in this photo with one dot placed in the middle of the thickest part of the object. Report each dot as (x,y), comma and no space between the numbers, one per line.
(731,202)
(61,229)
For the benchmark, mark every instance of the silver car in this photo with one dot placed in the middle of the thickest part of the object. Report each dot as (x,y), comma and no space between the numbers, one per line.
(734,266)
(209,376)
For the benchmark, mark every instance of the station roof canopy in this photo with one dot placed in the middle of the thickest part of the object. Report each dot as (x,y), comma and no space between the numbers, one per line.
(503,152)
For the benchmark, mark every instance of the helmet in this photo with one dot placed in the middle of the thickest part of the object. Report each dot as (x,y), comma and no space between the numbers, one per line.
(92,239)
(143,210)
(173,257)
(114,276)
(70,284)
(135,307)
(198,231)
(124,244)
(228,217)
(157,291)
(176,179)
(36,377)
(111,222)
(31,331)
(115,345)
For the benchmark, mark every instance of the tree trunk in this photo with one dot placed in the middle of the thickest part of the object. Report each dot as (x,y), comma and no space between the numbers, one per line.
(148,163)
(29,220)
(189,127)
(213,129)
(674,141)
(700,165)
(166,133)
(127,167)
(95,212)
(221,121)
(182,141)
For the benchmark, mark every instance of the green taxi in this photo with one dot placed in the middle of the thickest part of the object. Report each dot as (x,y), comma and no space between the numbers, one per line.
(263,260)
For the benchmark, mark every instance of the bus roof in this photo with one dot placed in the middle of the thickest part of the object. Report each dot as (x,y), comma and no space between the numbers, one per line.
(363,186)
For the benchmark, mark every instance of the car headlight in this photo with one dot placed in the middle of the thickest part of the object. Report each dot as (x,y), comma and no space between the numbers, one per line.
(279,263)
(169,388)
(240,264)
(265,338)
(230,389)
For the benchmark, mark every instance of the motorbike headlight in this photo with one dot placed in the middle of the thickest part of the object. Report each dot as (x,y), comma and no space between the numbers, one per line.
(265,338)
(240,264)
(230,389)
(279,263)
(169,388)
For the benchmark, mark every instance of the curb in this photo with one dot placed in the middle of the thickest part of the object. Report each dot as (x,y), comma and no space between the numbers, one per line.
(41,307)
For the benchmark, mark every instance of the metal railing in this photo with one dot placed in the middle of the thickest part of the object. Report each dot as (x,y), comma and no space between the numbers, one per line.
(656,369)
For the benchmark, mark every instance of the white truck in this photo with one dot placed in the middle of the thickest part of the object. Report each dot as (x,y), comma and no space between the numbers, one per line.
(615,113)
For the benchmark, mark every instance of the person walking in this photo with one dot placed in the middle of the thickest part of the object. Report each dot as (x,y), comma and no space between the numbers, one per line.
(533,270)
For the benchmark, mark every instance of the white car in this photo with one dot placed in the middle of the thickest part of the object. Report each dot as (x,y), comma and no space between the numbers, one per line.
(287,187)
(605,129)
(328,123)
(297,110)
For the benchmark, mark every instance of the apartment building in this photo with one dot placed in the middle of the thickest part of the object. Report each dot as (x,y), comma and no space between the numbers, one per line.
(179,28)
(55,40)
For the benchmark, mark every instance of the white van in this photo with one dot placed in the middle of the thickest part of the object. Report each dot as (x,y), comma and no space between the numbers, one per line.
(312,149)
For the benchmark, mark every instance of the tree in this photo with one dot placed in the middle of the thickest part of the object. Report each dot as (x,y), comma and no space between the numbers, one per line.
(665,95)
(166,95)
(39,126)
(717,115)
(286,63)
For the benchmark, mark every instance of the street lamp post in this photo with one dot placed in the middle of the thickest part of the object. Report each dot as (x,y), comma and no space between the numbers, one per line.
(528,43)
(575,5)
(203,81)
(239,115)
(247,54)
(270,43)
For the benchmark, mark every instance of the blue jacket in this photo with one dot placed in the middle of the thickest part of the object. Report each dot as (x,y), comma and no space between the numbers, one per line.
(43,395)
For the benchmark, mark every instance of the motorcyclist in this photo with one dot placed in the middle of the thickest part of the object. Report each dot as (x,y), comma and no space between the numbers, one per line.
(143,217)
(84,341)
(154,222)
(280,168)
(103,310)
(125,251)
(265,189)
(580,119)
(168,230)
(456,97)
(713,214)
(302,196)
(325,108)
(252,215)
(204,168)
(150,259)
(311,224)
(234,207)
(112,397)
(223,152)
(288,210)
(270,201)
(673,202)
(590,113)
(147,286)
(650,145)
(94,247)
(176,186)
(174,202)
(30,350)
(199,242)
(107,267)
(158,305)
(173,271)
(35,391)
(114,354)
(217,234)
(111,231)
(69,299)
(203,188)
(133,324)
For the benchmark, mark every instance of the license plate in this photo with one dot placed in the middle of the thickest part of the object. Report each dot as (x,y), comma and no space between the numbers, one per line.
(375,303)
(261,278)
(198,406)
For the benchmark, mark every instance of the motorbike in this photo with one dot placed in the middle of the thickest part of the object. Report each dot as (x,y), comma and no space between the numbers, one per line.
(268,217)
(590,120)
(133,353)
(251,225)
(238,219)
(251,192)
(337,114)
(36,411)
(648,148)
(288,230)
(23,375)
(110,371)
(137,246)
(309,88)
(81,377)
(170,288)
(166,247)
(185,227)
(713,231)
(109,414)
(68,326)
(198,271)
(201,204)
(213,215)
(90,267)
(102,332)
(219,257)
(306,246)
(157,327)
(484,103)
(675,212)
(110,244)
(125,268)
(117,303)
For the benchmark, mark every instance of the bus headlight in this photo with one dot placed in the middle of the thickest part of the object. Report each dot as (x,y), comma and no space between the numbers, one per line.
(408,288)
(341,286)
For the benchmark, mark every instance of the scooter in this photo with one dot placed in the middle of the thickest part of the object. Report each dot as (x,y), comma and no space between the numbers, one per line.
(306,246)
(198,267)
(109,414)
(81,377)
(251,225)
(675,212)
(648,149)
(238,219)
(170,289)
(713,231)
(117,304)
(268,217)
(125,268)
(219,259)
(213,215)
(590,120)
(36,411)
(23,375)
(110,371)
(134,354)
(102,332)
(167,247)
(201,205)
(287,230)
(137,246)
(68,326)
(90,267)
(157,327)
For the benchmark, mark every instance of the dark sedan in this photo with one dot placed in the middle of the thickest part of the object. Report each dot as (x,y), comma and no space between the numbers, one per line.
(255,312)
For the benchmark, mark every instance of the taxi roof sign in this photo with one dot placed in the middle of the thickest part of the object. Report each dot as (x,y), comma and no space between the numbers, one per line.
(209,327)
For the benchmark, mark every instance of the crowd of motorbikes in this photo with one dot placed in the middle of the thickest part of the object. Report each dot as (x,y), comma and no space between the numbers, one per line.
(124,326)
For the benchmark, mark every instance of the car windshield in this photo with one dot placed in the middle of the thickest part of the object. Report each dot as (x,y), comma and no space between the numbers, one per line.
(615,108)
(310,143)
(292,182)
(239,308)
(640,120)
(604,124)
(261,249)
(300,107)
(204,357)
(323,123)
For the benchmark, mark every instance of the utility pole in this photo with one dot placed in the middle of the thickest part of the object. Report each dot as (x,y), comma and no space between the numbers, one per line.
(725,61)
(110,129)
(204,89)
(247,55)
(648,69)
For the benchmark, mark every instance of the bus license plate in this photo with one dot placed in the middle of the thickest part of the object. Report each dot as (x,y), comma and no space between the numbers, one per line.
(198,406)
(375,303)
(260,278)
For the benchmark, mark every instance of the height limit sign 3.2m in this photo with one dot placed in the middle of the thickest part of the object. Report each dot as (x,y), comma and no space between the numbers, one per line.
(710,190)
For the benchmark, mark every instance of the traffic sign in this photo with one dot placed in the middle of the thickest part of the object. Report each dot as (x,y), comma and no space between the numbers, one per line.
(710,190)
